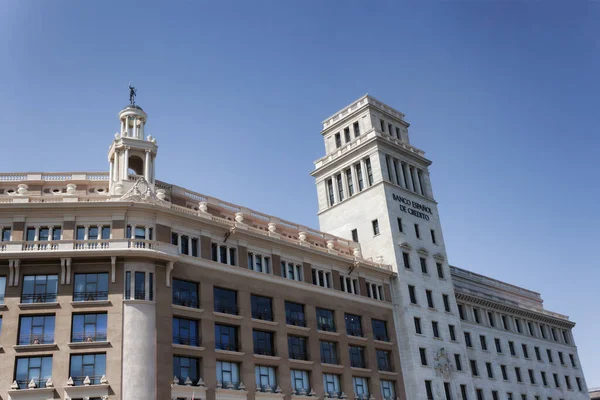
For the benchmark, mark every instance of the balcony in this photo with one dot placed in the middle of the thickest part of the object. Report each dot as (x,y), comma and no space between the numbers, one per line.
(29,384)
(227,346)
(80,296)
(82,337)
(87,380)
(49,297)
(186,341)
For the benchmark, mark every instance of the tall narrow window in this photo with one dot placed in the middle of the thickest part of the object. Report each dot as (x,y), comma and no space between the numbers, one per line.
(412,294)
(338,140)
(406,259)
(359,177)
(140,286)
(382,125)
(347,134)
(369,171)
(463,392)
(429,390)
(398,135)
(396,171)
(388,164)
(350,182)
(429,295)
(417,232)
(433,236)
(446,302)
(354,235)
(457,362)
(400,229)
(128,285)
(423,265)
(375,224)
(423,355)
(330,192)
(418,326)
(356,128)
(390,129)
(340,187)
(436,331)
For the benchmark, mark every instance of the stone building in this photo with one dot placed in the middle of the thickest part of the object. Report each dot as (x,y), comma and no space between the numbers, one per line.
(120,286)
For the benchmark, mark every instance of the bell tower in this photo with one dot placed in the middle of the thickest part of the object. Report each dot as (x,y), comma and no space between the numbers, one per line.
(131,156)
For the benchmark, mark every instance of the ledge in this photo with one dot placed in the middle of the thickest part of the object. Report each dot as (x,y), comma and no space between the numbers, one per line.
(135,301)
(262,321)
(332,365)
(301,328)
(266,395)
(360,338)
(303,397)
(93,303)
(35,347)
(87,345)
(357,369)
(383,342)
(187,347)
(264,357)
(230,394)
(31,394)
(306,362)
(233,353)
(391,373)
(2,307)
(184,308)
(225,315)
(186,392)
(328,333)
(86,391)
(24,306)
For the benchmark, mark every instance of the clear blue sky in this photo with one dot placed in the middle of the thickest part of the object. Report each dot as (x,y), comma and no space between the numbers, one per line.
(502,95)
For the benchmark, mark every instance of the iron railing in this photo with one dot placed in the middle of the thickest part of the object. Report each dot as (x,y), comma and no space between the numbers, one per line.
(82,337)
(90,295)
(186,340)
(299,355)
(264,351)
(354,331)
(295,318)
(227,346)
(192,303)
(36,339)
(48,297)
(329,360)
(24,384)
(327,326)
(94,380)
(264,316)
(226,308)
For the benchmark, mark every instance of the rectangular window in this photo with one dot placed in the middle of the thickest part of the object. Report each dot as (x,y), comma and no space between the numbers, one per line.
(429,295)
(571,357)
(294,314)
(440,270)
(354,235)
(382,125)
(350,182)
(300,381)
(406,259)
(379,330)
(549,354)
(259,263)
(423,265)
(457,362)
(543,375)
(565,336)
(328,352)
(463,392)
(89,328)
(476,315)
(479,394)
(140,286)
(87,365)
(412,294)
(511,347)
(262,307)
(498,345)
(375,224)
(292,271)
(5,234)
(325,320)
(474,370)
(39,289)
(353,325)
(387,390)
(356,128)
(483,342)
(330,192)
(36,329)
(505,322)
(38,369)
(384,361)
(185,331)
(185,293)
(433,236)
(531,376)
(531,329)
(390,130)
(349,285)
(396,171)
(446,302)
(228,373)
(297,348)
(151,286)
(186,367)
(331,383)
(518,374)
(468,339)
(369,171)
(538,356)
(347,134)
(388,164)
(225,301)
(491,319)
(128,285)
(263,342)
(490,371)
(417,232)
(400,228)
(359,177)
(452,332)
(340,187)
(518,325)
(418,325)
(495,395)
(578,381)
(321,278)
(560,358)
(504,373)
(434,326)
(357,357)
(226,337)
(525,352)
(338,140)
(423,354)
(90,287)
(556,382)
(428,390)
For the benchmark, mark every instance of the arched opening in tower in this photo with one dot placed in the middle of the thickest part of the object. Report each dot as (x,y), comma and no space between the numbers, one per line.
(136,166)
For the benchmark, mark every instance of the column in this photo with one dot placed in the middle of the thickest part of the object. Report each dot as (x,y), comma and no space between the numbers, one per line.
(126,164)
(228,256)
(416,181)
(153,167)
(345,182)
(147,166)
(126,126)
(190,252)
(363,173)
(141,129)
(116,168)
(110,171)
(409,183)
(86,235)
(391,169)
(122,127)
(178,242)
(135,127)
(147,234)
(37,233)
(401,180)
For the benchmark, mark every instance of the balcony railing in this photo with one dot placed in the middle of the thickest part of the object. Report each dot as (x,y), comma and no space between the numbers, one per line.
(384,366)
(24,384)
(79,380)
(82,337)
(264,316)
(186,340)
(192,303)
(267,388)
(327,326)
(329,360)
(354,331)
(358,363)
(299,355)
(295,318)
(90,295)
(32,339)
(226,346)
(40,245)
(264,351)
(91,244)
(140,295)
(39,298)
(226,308)
(381,337)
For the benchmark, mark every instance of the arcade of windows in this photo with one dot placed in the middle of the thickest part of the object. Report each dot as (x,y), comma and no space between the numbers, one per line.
(347,136)
(349,182)
(405,175)
(186,244)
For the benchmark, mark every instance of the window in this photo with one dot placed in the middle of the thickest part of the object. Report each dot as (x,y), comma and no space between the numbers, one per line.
(406,259)
(491,319)
(89,327)
(356,128)
(544,380)
(423,265)
(375,291)
(259,263)
(186,367)
(228,373)
(578,381)
(354,233)
(511,347)
(479,394)
(498,345)
(325,320)
(423,355)
(140,286)
(39,289)
(357,356)
(384,360)
(505,322)
(382,125)
(398,133)
(262,307)
(549,354)
(390,130)
(2,288)
(388,164)
(412,294)
(428,390)
(518,374)
(361,387)
(297,347)
(375,224)
(36,329)
(452,332)
(369,171)
(560,358)
(537,353)
(463,392)
(433,236)
(417,232)
(185,331)
(565,336)
(446,302)
(525,352)
(128,285)
(572,358)
(347,134)
(338,140)
(429,296)
(531,376)
(300,381)
(321,278)
(518,325)
(556,382)
(483,342)
(380,330)
(185,293)
(400,228)
(330,192)
(457,362)
(263,342)
(436,332)
(340,187)
(5,234)
(349,285)
(476,315)
(328,352)
(387,390)
(38,369)
(226,337)
(495,395)
(87,365)
(474,370)
(294,314)
(531,329)
(468,339)
(331,382)
(504,373)
(225,301)
(461,312)
(186,244)
(440,270)
(353,325)
(490,371)
(223,254)
(359,177)
(292,271)
(90,287)
(418,325)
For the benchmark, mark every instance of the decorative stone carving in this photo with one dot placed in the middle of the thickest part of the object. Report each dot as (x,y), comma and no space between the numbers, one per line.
(331,244)
(272,227)
(103,380)
(32,384)
(241,386)
(70,381)
(142,191)
(312,393)
(268,389)
(379,260)
(119,189)
(175,380)
(71,188)
(200,382)
(230,385)
(161,194)
(239,217)
(49,383)
(343,395)
(87,381)
(14,385)
(442,364)
(294,392)
(22,189)
(356,251)
(188,381)
(219,385)
(203,206)
(302,236)
(302,392)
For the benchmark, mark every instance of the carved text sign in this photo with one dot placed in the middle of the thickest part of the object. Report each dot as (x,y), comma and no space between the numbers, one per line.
(412,207)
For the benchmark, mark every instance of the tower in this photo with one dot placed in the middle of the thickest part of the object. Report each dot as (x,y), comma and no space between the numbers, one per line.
(131,156)
(373,187)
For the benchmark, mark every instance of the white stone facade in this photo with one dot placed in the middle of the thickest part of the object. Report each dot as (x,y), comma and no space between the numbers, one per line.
(400,193)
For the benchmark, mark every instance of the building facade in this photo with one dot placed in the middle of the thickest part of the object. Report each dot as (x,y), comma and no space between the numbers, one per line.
(119,286)
(374,187)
